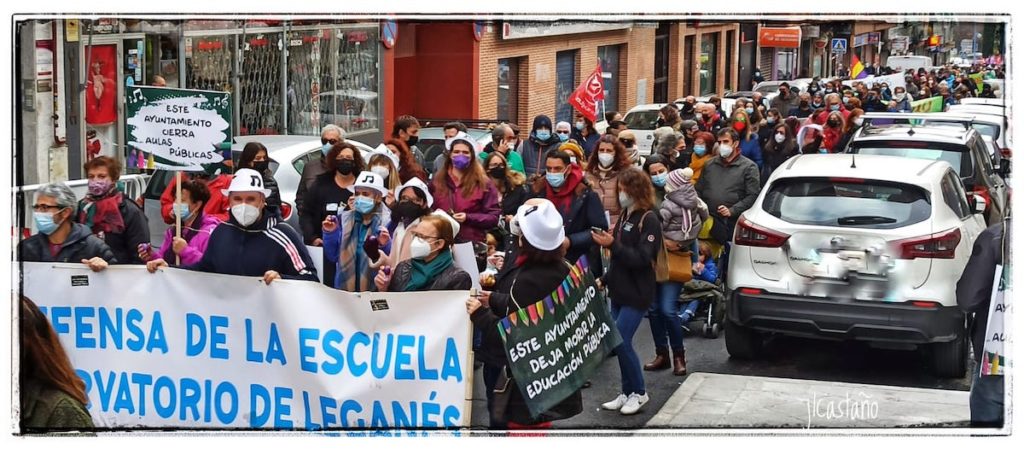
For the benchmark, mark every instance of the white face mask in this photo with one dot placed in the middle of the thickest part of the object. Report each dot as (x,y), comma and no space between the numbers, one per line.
(780,138)
(605,159)
(725,151)
(381,171)
(245,214)
(419,248)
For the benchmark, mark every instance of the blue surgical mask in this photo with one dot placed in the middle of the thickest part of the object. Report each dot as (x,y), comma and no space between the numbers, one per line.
(699,150)
(364,204)
(750,110)
(771,120)
(325,149)
(846,100)
(822,150)
(563,137)
(834,107)
(659,180)
(579,126)
(44,222)
(555,179)
(542,134)
(182,210)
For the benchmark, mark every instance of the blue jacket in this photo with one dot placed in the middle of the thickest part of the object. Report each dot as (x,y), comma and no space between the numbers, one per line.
(751,149)
(588,143)
(533,150)
(252,251)
(710,273)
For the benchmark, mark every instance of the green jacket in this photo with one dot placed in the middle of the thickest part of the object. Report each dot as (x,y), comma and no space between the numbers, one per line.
(49,409)
(515,161)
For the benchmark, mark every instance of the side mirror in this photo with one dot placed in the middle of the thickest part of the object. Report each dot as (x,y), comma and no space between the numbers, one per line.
(1003,168)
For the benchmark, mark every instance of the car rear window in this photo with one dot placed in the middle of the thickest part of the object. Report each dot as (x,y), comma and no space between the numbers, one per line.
(847,203)
(642,120)
(955,155)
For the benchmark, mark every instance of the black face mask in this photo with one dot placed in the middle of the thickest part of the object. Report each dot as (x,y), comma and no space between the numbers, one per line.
(497,172)
(261,166)
(412,140)
(833,123)
(803,105)
(707,117)
(406,211)
(687,108)
(346,167)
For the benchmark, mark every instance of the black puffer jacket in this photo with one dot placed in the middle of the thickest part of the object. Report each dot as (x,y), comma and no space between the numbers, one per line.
(80,244)
(453,278)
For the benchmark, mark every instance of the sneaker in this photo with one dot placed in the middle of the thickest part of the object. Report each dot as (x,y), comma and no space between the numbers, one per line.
(633,404)
(616,404)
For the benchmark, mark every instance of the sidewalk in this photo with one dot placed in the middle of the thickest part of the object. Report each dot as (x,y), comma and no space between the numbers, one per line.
(730,401)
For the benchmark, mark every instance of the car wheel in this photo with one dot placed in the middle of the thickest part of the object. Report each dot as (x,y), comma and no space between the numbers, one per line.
(949,359)
(741,342)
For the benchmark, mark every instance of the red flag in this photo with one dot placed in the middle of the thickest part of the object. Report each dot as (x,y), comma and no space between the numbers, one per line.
(585,97)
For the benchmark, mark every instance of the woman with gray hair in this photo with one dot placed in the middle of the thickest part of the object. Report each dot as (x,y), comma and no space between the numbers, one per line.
(60,239)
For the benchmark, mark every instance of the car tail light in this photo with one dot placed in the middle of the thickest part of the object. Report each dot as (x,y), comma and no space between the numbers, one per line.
(935,246)
(847,180)
(750,234)
(286,210)
(982,191)
(924,304)
(751,291)
(1006,153)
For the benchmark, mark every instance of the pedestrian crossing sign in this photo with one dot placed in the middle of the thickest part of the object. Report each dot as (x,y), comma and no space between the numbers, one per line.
(838,45)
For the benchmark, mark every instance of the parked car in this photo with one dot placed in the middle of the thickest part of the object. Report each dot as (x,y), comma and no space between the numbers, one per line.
(431,143)
(770,89)
(987,121)
(642,120)
(855,247)
(288,154)
(924,136)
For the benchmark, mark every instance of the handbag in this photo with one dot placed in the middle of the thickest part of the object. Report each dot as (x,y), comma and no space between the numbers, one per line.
(680,266)
(661,267)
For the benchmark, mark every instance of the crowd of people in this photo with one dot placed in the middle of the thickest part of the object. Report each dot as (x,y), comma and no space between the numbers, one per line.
(539,201)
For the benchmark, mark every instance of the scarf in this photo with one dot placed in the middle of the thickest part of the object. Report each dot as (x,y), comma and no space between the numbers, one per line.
(353,274)
(563,198)
(103,213)
(425,272)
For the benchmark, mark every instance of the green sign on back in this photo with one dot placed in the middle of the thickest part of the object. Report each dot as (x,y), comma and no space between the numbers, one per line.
(182,129)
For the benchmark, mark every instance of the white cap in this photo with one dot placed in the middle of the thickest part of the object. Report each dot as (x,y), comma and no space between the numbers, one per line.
(455,224)
(246,180)
(541,225)
(419,184)
(383,149)
(370,180)
(462,136)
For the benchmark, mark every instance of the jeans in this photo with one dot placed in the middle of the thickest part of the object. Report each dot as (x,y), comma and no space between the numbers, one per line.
(687,312)
(987,394)
(666,327)
(627,320)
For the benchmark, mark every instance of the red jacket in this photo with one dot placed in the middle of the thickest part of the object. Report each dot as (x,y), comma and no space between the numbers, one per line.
(821,117)
(216,207)
(830,138)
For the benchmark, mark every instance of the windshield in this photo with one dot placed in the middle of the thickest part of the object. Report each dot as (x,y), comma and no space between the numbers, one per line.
(767,89)
(961,164)
(863,204)
(641,120)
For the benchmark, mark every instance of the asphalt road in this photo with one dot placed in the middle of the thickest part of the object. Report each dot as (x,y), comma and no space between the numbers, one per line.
(783,357)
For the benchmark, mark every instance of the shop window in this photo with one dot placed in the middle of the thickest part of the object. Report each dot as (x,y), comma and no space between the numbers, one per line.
(565,68)
(508,89)
(708,63)
(609,56)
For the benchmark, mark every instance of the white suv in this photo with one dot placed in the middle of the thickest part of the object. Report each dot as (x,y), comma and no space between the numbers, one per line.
(855,247)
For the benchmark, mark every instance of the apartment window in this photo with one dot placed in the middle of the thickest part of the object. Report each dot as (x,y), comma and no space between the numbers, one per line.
(609,56)
(508,89)
(689,56)
(708,63)
(730,43)
(565,83)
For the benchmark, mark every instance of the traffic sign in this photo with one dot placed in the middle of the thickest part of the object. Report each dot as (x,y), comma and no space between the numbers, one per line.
(838,45)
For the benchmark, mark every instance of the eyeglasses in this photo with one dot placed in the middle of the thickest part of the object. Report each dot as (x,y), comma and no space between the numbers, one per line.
(561,132)
(330,141)
(627,142)
(45,207)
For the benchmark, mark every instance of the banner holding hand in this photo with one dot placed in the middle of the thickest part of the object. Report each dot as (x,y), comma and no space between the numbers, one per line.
(585,97)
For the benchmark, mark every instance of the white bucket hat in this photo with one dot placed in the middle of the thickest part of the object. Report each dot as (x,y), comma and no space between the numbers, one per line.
(384,150)
(541,225)
(455,224)
(370,180)
(418,184)
(465,137)
(246,180)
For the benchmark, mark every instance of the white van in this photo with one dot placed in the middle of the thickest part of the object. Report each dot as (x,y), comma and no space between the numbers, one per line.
(904,63)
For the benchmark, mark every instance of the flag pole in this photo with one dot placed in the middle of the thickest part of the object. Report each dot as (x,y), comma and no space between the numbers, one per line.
(177,216)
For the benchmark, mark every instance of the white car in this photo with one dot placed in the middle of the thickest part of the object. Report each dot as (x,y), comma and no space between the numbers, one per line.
(642,120)
(855,247)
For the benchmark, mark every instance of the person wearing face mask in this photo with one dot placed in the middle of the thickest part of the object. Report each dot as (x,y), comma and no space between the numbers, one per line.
(729,185)
(330,135)
(833,103)
(603,171)
(584,132)
(254,156)
(431,266)
(902,99)
(781,147)
(750,146)
(407,129)
(563,130)
(832,133)
(511,187)
(414,203)
(689,128)
(357,236)
(329,195)
(803,109)
(407,166)
(873,102)
(764,133)
(818,101)
(113,217)
(59,238)
(580,207)
(703,151)
(688,110)
(196,229)
(385,164)
(462,188)
(218,204)
(885,92)
(252,242)
(758,99)
(542,139)
(785,100)
(710,120)
(657,167)
(503,141)
(628,140)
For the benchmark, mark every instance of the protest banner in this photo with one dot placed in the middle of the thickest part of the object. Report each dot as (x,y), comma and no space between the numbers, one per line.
(995,361)
(893,81)
(183,349)
(180,128)
(585,97)
(555,344)
(978,80)
(933,104)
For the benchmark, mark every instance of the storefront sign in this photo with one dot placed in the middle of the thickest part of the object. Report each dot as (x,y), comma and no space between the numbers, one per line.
(522,29)
(810,31)
(71,30)
(899,44)
(389,33)
(779,37)
(871,38)
(181,128)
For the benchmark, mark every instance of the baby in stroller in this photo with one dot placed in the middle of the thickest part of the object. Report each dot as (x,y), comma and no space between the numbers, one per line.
(703,295)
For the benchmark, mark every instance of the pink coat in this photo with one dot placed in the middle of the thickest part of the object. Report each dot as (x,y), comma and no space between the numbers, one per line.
(197,239)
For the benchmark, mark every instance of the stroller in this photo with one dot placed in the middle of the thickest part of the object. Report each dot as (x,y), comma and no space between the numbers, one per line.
(710,297)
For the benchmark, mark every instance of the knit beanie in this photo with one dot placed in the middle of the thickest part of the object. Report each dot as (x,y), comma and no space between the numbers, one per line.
(678,177)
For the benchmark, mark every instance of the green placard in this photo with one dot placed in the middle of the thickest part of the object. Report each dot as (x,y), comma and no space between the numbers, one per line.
(182,129)
(933,104)
(556,343)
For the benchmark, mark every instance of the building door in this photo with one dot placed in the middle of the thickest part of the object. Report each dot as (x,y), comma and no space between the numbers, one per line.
(661,37)
(565,74)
